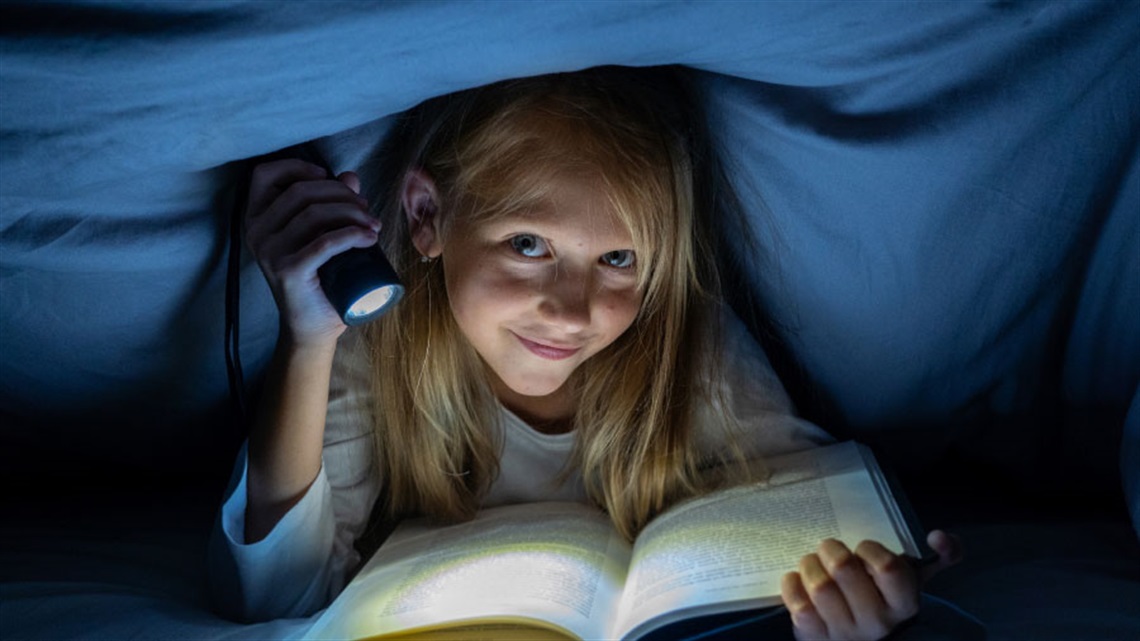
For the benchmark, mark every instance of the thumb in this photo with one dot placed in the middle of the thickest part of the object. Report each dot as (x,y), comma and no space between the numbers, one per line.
(949,550)
(351,179)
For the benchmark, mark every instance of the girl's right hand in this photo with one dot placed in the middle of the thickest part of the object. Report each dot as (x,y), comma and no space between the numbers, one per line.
(297,218)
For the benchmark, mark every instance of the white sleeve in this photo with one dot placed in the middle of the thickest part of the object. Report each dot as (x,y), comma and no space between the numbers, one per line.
(308,557)
(756,399)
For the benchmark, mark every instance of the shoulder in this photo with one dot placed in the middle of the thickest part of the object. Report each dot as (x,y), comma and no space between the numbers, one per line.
(746,368)
(747,398)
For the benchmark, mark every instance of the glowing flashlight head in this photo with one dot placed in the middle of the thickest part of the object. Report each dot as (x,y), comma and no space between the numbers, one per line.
(371,303)
(360,284)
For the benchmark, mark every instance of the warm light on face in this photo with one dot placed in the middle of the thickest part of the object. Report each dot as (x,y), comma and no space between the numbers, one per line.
(538,293)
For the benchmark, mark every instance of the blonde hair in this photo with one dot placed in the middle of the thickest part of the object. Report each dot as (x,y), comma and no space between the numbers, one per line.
(491,151)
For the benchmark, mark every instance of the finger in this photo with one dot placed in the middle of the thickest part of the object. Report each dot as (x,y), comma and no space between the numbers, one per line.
(273,251)
(805,618)
(949,550)
(308,209)
(895,578)
(825,595)
(351,179)
(317,219)
(868,609)
(299,195)
(269,180)
(321,249)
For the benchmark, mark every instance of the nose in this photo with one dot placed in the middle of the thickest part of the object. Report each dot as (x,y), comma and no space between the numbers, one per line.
(565,300)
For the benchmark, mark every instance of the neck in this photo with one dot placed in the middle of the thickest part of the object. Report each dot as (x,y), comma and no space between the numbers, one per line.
(550,414)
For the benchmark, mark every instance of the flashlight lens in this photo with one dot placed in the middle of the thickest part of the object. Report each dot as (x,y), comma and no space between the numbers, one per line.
(370,303)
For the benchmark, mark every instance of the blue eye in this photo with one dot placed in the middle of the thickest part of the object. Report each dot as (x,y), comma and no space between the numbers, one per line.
(528,245)
(622,258)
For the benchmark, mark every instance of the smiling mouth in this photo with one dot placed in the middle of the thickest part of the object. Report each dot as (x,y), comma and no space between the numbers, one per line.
(547,351)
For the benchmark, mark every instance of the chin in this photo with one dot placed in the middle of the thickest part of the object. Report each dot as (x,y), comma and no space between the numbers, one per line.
(535,388)
(536,391)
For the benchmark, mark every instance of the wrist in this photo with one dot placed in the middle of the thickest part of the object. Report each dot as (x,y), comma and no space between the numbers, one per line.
(316,344)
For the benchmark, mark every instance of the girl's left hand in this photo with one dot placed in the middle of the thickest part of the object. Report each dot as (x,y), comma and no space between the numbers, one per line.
(862,594)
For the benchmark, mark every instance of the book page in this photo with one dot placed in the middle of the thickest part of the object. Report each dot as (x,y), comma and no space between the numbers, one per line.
(561,563)
(729,550)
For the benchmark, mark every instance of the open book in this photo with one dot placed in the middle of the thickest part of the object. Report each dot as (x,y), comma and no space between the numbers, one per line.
(560,571)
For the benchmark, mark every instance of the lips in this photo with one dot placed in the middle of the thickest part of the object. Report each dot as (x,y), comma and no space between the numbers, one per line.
(548,352)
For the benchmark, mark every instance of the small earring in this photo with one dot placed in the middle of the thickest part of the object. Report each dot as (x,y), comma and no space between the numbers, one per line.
(425,259)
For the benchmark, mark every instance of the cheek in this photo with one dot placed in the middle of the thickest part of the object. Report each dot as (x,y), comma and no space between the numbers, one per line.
(619,309)
(480,294)
(467,292)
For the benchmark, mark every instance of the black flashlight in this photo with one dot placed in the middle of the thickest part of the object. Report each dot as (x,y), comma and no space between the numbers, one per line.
(360,283)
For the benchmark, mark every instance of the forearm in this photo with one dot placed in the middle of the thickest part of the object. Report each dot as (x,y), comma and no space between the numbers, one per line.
(286,440)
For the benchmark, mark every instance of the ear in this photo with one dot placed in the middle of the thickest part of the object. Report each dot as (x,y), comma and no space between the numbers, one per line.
(420,200)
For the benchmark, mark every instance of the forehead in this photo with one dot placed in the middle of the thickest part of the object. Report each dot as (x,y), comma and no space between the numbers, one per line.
(574,203)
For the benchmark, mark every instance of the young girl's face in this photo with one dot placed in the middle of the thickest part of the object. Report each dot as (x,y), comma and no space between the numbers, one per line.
(540,292)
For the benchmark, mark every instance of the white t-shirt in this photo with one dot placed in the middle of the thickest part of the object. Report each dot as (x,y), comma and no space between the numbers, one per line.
(309,555)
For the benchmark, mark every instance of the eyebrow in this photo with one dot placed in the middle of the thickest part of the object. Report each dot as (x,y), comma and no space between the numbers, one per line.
(544,218)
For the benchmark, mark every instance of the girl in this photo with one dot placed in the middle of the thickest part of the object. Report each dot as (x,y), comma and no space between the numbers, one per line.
(560,338)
